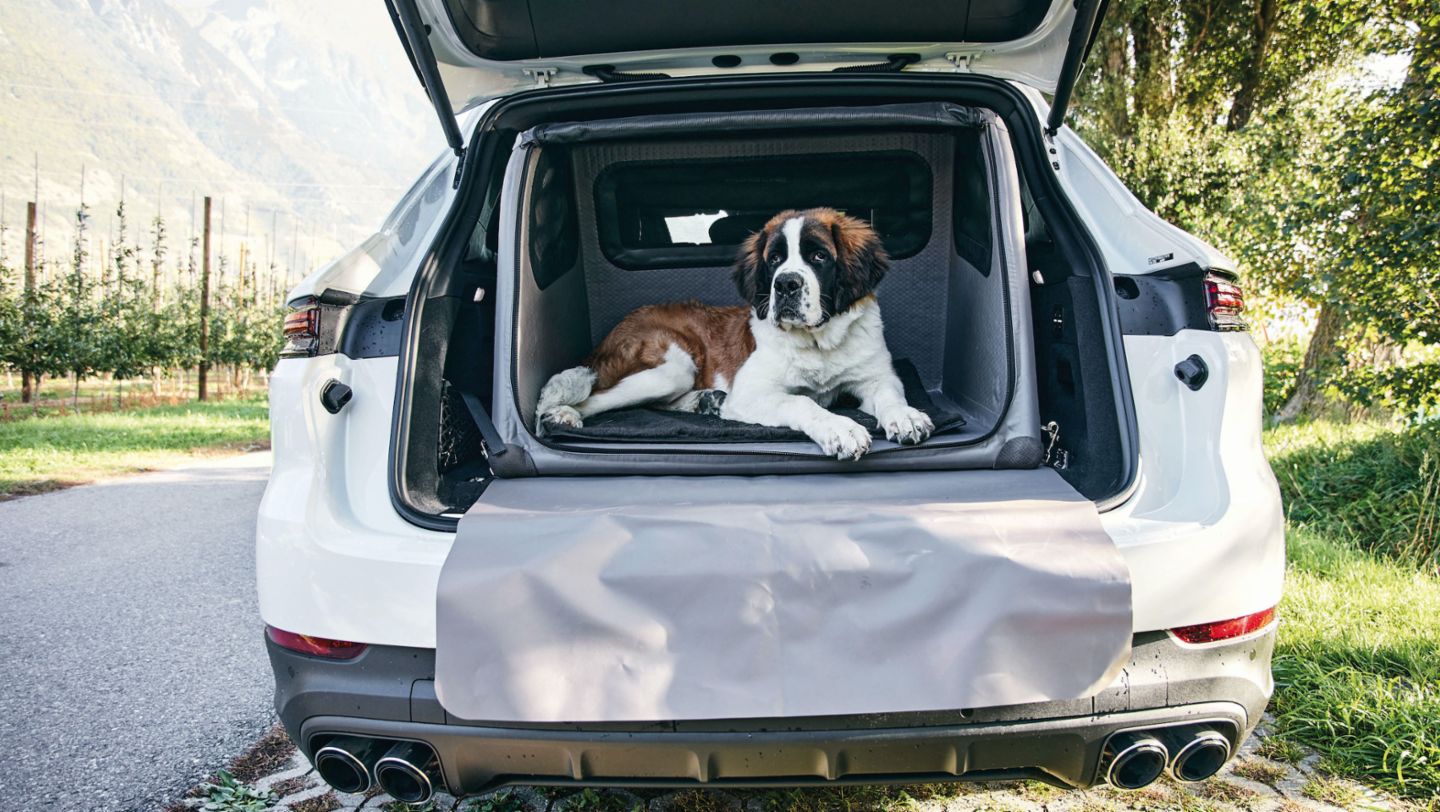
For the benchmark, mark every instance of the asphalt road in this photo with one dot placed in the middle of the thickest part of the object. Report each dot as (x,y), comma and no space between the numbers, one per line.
(131,659)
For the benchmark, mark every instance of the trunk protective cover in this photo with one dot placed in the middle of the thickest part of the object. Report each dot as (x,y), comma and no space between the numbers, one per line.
(624,599)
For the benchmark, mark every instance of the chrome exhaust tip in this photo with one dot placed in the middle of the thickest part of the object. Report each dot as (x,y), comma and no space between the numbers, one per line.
(404,772)
(1199,752)
(345,762)
(1133,760)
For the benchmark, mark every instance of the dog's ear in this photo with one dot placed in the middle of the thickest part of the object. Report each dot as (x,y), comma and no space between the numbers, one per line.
(750,273)
(861,261)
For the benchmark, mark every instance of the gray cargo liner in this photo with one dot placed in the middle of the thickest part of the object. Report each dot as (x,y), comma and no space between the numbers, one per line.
(967,331)
(611,599)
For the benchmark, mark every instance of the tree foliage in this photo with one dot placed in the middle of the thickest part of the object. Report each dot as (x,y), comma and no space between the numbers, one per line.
(1260,125)
(132,312)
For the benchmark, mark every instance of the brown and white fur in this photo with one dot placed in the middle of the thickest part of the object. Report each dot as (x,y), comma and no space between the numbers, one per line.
(811,333)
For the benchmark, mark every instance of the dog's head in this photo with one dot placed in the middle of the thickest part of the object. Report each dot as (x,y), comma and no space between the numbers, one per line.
(804,267)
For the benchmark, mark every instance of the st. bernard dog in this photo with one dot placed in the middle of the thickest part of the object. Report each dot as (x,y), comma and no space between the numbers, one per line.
(811,333)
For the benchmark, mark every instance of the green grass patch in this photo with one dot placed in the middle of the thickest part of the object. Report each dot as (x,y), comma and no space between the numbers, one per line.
(1357,669)
(41,454)
(1373,486)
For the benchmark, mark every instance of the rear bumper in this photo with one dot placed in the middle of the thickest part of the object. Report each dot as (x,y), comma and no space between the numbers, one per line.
(389,692)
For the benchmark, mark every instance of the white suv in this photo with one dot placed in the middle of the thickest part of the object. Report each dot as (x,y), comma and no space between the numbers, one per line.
(1073,580)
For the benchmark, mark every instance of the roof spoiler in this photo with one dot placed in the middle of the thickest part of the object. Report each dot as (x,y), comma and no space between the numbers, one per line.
(413,35)
(1088,14)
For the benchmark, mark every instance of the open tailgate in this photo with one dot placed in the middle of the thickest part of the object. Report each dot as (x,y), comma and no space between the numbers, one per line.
(466,51)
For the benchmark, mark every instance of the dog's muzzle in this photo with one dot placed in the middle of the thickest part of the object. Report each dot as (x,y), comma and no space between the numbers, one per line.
(789,297)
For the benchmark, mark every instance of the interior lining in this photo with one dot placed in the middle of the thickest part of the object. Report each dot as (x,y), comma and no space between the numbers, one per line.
(961,325)
(912,298)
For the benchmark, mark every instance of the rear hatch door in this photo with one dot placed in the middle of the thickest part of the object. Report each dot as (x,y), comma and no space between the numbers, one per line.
(489,48)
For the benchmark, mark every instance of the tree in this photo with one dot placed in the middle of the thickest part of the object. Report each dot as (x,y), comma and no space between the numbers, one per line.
(75,335)
(121,332)
(1233,119)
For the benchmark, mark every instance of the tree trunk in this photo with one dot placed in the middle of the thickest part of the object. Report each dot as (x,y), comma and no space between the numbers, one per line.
(205,304)
(1243,105)
(1319,353)
(27,378)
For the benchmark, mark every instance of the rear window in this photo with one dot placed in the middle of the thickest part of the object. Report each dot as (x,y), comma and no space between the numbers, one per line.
(695,213)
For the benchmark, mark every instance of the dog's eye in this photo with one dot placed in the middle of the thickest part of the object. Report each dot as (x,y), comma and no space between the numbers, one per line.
(818,256)
(776,259)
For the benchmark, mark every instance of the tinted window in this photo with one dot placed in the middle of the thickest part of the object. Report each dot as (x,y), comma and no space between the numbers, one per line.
(694,213)
(554,227)
(972,202)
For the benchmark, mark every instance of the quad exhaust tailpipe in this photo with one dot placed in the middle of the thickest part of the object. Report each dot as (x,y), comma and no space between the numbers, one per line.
(346,762)
(1196,752)
(1133,760)
(404,772)
(1189,753)
(408,771)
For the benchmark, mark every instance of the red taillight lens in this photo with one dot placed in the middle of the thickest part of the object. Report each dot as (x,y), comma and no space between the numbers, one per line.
(315,646)
(1225,629)
(302,330)
(1225,302)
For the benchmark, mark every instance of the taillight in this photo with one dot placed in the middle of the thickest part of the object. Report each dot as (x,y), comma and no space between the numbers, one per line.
(315,646)
(1225,629)
(1225,302)
(302,330)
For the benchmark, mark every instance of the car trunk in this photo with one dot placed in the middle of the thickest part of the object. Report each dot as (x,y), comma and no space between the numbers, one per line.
(652,209)
(993,310)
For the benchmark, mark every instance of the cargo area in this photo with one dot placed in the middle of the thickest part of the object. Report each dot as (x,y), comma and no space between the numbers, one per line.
(585,221)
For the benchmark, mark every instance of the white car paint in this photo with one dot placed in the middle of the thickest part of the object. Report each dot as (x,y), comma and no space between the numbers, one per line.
(1201,530)
(1033,59)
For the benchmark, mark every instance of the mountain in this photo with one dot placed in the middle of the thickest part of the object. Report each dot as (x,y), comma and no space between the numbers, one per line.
(301,118)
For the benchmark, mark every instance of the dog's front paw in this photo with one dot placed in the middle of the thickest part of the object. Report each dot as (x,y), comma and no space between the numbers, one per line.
(907,426)
(710,402)
(561,416)
(843,439)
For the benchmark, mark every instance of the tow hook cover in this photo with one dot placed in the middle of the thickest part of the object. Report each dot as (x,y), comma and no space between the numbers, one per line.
(334,395)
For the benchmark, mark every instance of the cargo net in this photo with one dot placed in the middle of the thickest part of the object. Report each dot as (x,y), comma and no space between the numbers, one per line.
(459,438)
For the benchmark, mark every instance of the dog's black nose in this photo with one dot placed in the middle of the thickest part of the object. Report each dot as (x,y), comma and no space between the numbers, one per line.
(788,283)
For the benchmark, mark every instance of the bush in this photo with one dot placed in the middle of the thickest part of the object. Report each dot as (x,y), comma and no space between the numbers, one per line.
(1282,363)
(1374,487)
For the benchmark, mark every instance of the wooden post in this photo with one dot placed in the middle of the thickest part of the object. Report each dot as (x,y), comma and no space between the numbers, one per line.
(26,379)
(205,302)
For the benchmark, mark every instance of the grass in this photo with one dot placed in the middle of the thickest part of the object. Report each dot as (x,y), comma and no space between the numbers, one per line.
(1265,772)
(1357,669)
(43,454)
(1370,485)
